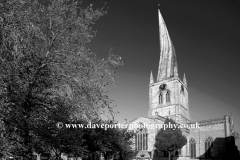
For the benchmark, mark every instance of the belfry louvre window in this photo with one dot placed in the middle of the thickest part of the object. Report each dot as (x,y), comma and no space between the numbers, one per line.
(168,96)
(208,143)
(160,98)
(141,139)
(192,147)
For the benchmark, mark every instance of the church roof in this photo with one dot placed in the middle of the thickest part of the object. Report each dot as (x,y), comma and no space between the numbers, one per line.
(168,60)
(152,117)
(210,121)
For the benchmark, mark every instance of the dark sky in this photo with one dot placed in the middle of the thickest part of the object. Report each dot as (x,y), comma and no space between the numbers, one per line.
(206,37)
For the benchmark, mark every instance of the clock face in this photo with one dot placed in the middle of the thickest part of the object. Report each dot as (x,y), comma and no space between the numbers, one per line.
(162,86)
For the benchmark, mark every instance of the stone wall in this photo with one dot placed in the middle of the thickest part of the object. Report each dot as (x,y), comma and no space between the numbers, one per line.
(151,132)
(177,108)
(216,131)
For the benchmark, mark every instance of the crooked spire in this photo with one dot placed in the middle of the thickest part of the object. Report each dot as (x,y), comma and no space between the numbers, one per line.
(151,78)
(168,61)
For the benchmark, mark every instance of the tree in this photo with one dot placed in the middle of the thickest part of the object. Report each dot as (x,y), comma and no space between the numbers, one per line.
(125,149)
(55,141)
(5,145)
(45,59)
(119,146)
(111,143)
(169,139)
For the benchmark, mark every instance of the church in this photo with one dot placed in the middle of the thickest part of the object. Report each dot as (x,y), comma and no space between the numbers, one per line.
(168,98)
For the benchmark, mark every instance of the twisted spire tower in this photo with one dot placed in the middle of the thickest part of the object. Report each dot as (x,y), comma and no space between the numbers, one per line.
(168,60)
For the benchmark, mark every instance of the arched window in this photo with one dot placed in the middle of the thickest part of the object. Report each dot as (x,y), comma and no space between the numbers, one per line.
(208,143)
(182,95)
(141,139)
(160,98)
(192,148)
(168,96)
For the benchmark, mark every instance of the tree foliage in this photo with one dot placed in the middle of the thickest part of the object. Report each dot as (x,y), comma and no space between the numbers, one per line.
(48,72)
(169,139)
(111,143)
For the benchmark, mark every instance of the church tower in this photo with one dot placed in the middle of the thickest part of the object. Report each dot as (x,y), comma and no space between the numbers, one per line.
(168,96)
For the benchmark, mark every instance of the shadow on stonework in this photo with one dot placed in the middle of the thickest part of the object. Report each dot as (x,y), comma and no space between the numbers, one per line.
(221,149)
